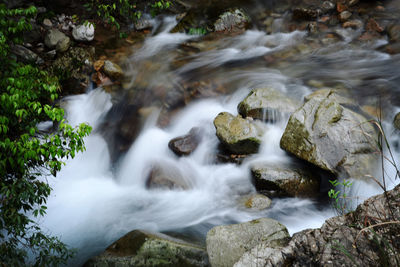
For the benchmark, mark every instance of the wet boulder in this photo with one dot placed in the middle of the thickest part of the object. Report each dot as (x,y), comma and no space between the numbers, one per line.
(332,137)
(227,243)
(284,180)
(167,176)
(267,104)
(231,21)
(186,144)
(238,135)
(141,248)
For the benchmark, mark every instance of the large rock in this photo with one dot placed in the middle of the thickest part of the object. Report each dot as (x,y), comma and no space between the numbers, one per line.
(238,135)
(25,55)
(342,242)
(185,145)
(227,243)
(266,104)
(54,37)
(331,136)
(285,181)
(144,249)
(232,20)
(83,33)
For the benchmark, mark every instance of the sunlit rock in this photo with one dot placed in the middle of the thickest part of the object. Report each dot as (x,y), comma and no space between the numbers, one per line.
(140,248)
(238,135)
(227,243)
(326,133)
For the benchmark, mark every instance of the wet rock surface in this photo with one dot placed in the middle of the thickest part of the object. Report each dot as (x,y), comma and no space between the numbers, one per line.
(238,135)
(227,243)
(331,136)
(341,241)
(267,104)
(141,248)
(185,145)
(285,181)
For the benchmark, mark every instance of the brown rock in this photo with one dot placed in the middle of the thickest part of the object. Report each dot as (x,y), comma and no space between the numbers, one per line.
(185,145)
(372,25)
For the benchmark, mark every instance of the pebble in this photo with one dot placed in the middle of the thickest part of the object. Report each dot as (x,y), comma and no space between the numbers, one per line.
(345,15)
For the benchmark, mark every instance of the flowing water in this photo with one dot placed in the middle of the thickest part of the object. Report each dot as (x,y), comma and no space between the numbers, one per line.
(97,199)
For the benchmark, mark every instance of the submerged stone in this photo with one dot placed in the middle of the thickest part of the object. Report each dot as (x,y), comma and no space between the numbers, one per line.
(266,104)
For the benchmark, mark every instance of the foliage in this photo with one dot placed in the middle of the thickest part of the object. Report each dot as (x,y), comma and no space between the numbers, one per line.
(27,155)
(197,31)
(339,197)
(114,11)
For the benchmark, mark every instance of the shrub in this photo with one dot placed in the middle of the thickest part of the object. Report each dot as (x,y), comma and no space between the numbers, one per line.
(27,96)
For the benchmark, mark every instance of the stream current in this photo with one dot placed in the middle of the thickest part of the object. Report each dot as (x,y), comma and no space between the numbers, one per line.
(96,200)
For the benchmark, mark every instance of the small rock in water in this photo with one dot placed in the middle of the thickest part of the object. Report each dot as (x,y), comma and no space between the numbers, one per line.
(309,13)
(267,104)
(345,15)
(238,135)
(284,181)
(112,70)
(185,145)
(83,33)
(166,176)
(258,202)
(354,24)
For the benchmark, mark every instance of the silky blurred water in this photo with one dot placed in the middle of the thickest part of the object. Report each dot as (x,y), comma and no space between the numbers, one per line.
(95,201)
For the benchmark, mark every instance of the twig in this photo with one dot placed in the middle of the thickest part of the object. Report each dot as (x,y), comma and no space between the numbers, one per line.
(373,226)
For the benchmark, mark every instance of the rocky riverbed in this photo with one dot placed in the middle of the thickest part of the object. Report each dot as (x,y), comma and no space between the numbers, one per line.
(216,114)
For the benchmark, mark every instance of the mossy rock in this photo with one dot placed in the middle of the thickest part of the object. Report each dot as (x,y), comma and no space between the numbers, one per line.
(227,243)
(332,137)
(285,181)
(145,249)
(238,135)
(73,69)
(266,104)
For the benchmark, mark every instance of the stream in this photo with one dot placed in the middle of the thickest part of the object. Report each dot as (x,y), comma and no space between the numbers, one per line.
(98,197)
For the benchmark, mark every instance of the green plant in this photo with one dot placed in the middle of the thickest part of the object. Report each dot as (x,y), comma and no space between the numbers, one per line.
(197,31)
(27,96)
(341,200)
(113,11)
(158,6)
